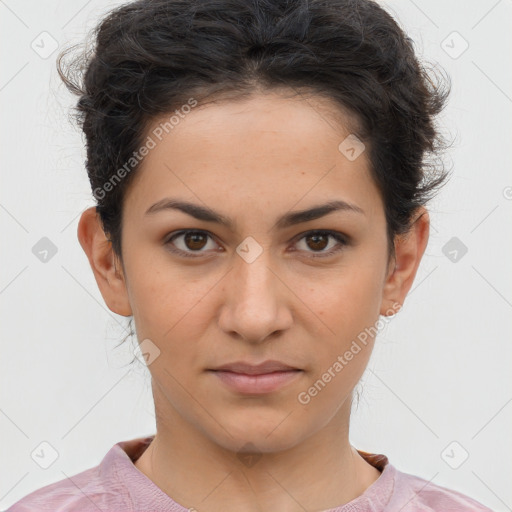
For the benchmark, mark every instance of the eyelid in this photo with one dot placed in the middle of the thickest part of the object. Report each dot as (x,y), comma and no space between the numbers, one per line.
(335,234)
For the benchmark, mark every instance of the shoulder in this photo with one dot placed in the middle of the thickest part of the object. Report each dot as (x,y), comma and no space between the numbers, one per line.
(91,490)
(414,494)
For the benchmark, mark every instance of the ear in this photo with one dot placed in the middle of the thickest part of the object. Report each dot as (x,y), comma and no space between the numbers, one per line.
(409,249)
(105,266)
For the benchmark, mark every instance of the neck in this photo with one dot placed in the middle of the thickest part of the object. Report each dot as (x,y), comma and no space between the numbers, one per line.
(324,471)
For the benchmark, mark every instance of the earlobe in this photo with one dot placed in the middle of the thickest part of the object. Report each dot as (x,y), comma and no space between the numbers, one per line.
(100,254)
(409,249)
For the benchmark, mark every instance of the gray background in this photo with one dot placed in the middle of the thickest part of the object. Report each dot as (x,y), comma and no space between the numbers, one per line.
(438,386)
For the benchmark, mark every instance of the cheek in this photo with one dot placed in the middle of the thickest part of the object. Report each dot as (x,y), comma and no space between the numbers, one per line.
(348,306)
(350,310)
(349,301)
(170,308)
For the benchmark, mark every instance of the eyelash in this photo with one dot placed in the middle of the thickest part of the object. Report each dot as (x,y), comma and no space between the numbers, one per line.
(326,232)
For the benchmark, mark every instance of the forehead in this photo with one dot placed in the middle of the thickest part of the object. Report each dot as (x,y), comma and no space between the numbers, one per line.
(267,149)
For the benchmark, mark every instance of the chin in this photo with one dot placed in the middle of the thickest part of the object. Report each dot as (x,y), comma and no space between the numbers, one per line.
(259,432)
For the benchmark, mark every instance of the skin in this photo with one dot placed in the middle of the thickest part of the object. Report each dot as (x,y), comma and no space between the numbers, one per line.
(254,160)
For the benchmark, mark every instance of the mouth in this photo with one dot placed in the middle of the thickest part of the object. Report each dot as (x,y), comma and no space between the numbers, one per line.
(245,378)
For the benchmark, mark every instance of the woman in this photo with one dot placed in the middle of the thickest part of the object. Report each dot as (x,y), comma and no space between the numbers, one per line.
(261,182)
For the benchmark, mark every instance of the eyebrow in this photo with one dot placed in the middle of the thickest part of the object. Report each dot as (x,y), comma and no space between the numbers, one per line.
(289,219)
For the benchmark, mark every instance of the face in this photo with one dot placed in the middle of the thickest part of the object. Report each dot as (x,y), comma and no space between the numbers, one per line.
(259,283)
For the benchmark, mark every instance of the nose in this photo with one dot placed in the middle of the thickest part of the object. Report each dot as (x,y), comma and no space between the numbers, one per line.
(256,300)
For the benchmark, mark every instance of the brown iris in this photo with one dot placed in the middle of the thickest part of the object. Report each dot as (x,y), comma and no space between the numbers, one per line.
(316,242)
(195,240)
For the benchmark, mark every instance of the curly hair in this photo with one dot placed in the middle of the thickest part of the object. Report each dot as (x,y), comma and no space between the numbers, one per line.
(151,57)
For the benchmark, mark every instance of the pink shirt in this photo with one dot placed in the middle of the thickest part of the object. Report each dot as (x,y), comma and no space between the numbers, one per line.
(116,485)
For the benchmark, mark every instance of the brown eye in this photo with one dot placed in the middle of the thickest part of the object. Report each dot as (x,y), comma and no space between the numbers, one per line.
(316,243)
(191,243)
(194,240)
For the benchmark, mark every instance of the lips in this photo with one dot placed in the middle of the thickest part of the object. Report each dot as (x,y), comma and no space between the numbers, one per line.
(256,379)
(256,369)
